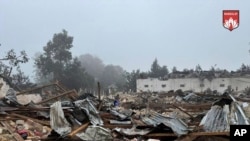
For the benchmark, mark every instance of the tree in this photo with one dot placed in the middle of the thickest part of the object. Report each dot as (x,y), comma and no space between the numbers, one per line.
(76,77)
(144,75)
(56,55)
(157,70)
(13,60)
(243,68)
(114,75)
(131,80)
(18,80)
(56,61)
(198,69)
(164,71)
(185,70)
(21,81)
(174,69)
(212,69)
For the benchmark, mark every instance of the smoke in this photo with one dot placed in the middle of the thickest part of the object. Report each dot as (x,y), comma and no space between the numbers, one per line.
(93,65)
(106,74)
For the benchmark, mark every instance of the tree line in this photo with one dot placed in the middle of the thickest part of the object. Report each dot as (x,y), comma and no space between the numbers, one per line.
(56,63)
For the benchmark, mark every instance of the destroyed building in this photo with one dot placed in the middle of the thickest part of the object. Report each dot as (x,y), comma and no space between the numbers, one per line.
(193,84)
(52,112)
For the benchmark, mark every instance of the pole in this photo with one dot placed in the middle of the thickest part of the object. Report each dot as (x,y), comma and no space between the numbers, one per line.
(99,90)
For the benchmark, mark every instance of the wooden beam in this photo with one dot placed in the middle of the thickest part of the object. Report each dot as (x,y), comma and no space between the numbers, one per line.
(22,92)
(116,126)
(59,86)
(183,111)
(188,138)
(83,127)
(99,91)
(55,97)
(35,120)
(190,134)
(100,105)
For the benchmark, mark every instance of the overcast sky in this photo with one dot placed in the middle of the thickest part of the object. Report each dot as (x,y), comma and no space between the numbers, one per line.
(131,33)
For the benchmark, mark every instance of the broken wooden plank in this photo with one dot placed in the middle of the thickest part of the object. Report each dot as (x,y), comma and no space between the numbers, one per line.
(44,86)
(83,127)
(188,138)
(100,105)
(35,120)
(117,126)
(59,86)
(183,111)
(55,97)
(190,134)
(37,88)
(99,90)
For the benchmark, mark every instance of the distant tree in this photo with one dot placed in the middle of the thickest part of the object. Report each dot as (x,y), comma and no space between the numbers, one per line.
(211,74)
(212,69)
(131,80)
(158,71)
(21,81)
(164,71)
(144,75)
(76,77)
(174,69)
(114,75)
(191,70)
(186,70)
(198,69)
(57,62)
(155,69)
(243,68)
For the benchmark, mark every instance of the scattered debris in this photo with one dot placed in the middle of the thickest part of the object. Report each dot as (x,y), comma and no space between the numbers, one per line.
(96,133)
(52,112)
(58,121)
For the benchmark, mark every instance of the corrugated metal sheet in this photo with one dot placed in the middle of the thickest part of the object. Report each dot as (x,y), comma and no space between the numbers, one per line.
(95,133)
(121,116)
(90,110)
(57,119)
(216,119)
(119,122)
(177,125)
(219,117)
(240,112)
(238,115)
(133,131)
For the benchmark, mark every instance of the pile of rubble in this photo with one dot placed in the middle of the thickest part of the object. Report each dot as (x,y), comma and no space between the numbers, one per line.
(52,112)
